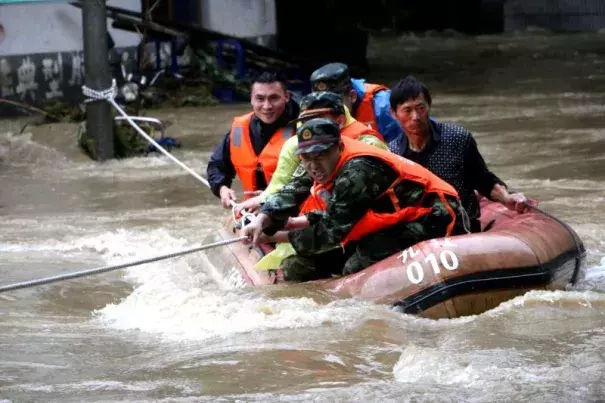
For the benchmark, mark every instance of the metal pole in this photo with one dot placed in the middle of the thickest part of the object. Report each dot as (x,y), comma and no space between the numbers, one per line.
(99,121)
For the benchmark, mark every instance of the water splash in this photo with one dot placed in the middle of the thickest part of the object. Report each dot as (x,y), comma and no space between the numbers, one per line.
(20,150)
(143,168)
(558,298)
(178,299)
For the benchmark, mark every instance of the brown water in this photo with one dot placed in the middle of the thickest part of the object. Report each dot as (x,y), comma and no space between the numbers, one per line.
(177,331)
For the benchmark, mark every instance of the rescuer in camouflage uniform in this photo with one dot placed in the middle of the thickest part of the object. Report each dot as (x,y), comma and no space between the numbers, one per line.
(357,188)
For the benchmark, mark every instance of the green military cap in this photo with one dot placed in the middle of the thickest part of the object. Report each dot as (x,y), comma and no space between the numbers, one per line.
(333,77)
(323,100)
(317,103)
(317,135)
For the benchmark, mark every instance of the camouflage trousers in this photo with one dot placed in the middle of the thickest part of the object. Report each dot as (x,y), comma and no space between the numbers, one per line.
(372,248)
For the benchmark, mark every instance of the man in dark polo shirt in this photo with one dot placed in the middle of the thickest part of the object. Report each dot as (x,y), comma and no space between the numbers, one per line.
(447,150)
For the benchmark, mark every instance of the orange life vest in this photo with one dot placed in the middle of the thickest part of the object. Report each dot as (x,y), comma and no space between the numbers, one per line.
(353,131)
(357,129)
(365,110)
(408,171)
(244,159)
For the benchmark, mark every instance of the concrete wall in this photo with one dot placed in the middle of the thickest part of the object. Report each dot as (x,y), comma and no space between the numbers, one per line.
(250,19)
(557,15)
(57,27)
(41,48)
(41,53)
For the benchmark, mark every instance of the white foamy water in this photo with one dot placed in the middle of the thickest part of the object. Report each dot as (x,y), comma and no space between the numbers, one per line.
(178,299)
(595,275)
(183,300)
(183,330)
(197,314)
(154,165)
(19,150)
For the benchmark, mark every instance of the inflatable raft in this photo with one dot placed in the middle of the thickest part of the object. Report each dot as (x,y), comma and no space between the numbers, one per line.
(448,277)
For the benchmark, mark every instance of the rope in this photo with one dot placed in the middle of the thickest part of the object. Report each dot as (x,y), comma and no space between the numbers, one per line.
(99,270)
(109,95)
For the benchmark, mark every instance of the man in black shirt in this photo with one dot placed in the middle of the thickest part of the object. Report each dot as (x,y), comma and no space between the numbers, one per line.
(447,150)
(258,138)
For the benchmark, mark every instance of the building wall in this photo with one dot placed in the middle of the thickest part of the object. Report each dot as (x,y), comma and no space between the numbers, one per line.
(41,51)
(557,15)
(53,27)
(250,19)
(41,44)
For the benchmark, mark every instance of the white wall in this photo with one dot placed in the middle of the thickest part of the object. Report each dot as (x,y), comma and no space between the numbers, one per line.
(55,27)
(241,18)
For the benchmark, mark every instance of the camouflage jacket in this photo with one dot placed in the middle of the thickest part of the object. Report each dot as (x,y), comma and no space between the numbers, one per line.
(356,189)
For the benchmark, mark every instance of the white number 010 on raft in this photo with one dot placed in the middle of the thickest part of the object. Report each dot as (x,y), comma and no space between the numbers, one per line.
(415,270)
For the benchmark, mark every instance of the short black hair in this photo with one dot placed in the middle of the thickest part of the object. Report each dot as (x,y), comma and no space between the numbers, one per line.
(268,77)
(406,89)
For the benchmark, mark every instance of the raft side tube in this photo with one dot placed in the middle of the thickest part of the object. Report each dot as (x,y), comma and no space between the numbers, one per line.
(454,276)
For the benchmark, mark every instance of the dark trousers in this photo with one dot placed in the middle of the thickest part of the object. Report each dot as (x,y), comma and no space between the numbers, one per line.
(475,225)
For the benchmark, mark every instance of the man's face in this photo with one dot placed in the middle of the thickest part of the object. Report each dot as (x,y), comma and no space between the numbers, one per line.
(321,165)
(413,115)
(268,101)
(349,97)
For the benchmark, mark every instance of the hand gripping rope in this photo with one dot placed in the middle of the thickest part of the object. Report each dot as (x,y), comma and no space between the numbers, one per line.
(109,96)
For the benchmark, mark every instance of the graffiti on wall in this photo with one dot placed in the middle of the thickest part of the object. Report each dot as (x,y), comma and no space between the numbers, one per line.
(38,78)
(35,79)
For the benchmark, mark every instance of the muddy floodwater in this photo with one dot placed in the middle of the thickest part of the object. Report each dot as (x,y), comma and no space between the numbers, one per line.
(176,331)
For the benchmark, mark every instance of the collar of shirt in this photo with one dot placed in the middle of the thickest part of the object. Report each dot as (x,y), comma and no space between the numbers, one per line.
(264,131)
(433,140)
(348,117)
(358,86)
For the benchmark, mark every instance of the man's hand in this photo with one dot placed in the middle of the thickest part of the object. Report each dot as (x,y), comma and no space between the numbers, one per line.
(227,195)
(254,231)
(517,202)
(297,223)
(513,201)
(250,205)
